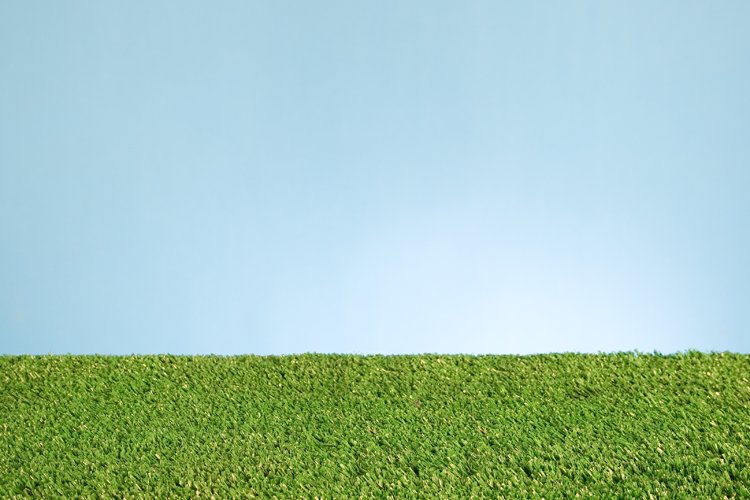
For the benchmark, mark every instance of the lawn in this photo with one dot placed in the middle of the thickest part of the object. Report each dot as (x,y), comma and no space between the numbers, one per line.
(340,426)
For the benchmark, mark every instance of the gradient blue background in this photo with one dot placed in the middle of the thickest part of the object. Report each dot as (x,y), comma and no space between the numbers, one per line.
(374,176)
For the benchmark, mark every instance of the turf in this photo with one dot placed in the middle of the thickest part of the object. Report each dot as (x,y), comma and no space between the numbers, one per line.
(627,425)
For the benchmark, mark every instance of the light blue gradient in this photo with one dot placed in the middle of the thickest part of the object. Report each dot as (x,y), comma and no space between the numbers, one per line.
(374,177)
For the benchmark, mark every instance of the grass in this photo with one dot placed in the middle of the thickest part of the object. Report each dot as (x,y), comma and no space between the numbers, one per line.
(335,426)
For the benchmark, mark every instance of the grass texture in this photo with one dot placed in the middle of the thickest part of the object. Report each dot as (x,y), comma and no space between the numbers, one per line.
(342,426)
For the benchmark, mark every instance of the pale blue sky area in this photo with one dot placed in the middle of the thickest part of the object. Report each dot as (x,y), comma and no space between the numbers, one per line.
(374,176)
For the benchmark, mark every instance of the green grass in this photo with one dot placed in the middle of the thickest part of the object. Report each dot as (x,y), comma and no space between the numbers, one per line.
(624,425)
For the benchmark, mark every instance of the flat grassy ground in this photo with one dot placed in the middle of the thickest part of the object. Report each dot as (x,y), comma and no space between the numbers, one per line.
(628,425)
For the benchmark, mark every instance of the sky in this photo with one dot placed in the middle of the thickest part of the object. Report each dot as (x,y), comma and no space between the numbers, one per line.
(374,177)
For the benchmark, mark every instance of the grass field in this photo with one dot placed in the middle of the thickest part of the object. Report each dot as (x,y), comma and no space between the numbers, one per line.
(335,426)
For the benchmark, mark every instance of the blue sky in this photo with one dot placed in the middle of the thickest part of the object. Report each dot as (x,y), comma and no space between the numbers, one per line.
(374,177)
